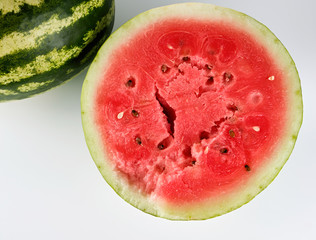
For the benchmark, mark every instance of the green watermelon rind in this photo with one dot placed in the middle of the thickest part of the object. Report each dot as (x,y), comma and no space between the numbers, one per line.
(260,180)
(91,30)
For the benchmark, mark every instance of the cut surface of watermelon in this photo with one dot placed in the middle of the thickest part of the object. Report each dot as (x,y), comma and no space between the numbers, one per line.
(190,110)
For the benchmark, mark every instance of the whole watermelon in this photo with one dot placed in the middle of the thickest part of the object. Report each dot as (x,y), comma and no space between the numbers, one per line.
(43,43)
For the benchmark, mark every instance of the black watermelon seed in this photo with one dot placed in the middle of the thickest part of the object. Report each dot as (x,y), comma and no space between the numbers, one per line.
(186,58)
(130,82)
(208,67)
(161,146)
(164,68)
(138,140)
(232,133)
(247,168)
(135,113)
(223,150)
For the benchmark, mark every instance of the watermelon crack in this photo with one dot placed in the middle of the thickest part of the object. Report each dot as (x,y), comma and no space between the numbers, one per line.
(201,90)
(187,154)
(167,110)
(210,80)
(204,135)
(217,125)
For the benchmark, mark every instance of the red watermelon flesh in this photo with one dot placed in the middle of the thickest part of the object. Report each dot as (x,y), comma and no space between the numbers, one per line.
(190,110)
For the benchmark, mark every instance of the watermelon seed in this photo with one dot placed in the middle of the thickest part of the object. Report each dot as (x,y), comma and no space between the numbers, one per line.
(232,133)
(130,82)
(169,46)
(247,168)
(135,113)
(208,67)
(204,135)
(193,161)
(271,78)
(165,143)
(227,77)
(256,128)
(138,140)
(120,115)
(161,146)
(223,150)
(186,58)
(164,68)
(210,80)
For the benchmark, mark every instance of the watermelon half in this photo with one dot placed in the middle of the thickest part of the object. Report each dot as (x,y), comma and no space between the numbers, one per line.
(190,110)
(44,43)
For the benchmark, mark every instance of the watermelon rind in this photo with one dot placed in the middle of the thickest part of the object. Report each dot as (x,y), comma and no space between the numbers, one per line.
(45,44)
(241,194)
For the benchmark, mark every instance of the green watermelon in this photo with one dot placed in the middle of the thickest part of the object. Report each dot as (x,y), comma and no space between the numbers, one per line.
(190,110)
(45,43)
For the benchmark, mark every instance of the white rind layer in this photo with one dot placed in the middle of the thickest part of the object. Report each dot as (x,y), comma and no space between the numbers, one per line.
(273,164)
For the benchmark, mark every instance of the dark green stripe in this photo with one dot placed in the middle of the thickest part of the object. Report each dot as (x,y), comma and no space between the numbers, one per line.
(70,36)
(32,16)
(59,75)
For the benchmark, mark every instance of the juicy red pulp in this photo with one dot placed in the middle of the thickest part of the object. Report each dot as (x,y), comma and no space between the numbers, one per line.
(188,109)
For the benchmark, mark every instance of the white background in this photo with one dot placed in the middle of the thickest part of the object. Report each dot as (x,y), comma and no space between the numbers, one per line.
(51,189)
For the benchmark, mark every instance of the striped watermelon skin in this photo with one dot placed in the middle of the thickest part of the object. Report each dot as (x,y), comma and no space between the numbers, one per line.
(44,43)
